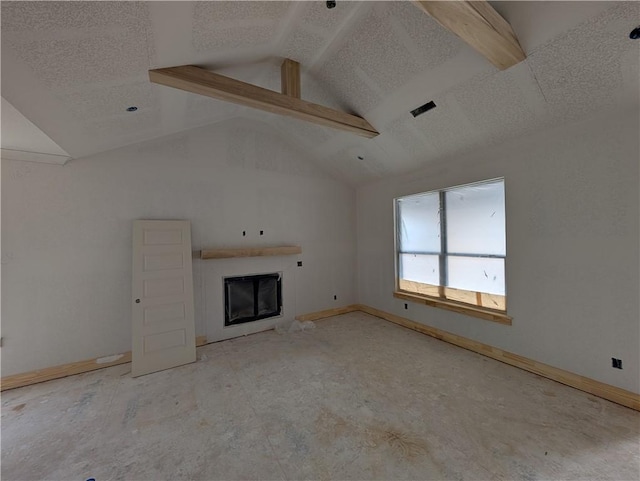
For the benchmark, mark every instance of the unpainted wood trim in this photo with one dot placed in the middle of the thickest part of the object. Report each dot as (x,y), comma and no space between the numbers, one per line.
(71,369)
(290,78)
(226,253)
(314,316)
(64,370)
(200,81)
(493,302)
(480,26)
(582,383)
(468,309)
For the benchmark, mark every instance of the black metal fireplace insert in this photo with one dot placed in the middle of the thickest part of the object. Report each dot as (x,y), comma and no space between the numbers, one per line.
(251,298)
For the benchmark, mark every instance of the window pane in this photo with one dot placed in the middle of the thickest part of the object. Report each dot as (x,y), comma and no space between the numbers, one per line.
(480,274)
(419,223)
(419,268)
(476,219)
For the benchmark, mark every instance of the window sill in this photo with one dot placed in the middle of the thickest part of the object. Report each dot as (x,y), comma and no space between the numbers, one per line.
(480,312)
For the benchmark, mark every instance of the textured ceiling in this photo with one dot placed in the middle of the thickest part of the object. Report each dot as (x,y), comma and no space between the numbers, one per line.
(72,68)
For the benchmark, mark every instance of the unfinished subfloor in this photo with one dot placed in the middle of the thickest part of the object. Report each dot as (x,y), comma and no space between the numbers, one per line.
(356,398)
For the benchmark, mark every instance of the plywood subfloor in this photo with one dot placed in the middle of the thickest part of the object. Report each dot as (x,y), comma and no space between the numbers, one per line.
(356,398)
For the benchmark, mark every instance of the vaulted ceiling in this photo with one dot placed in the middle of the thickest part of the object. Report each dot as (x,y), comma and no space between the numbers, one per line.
(73,68)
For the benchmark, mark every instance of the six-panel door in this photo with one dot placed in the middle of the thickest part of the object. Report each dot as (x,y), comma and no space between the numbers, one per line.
(162,303)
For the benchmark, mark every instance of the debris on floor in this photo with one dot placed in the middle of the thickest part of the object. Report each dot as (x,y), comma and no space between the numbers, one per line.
(294,326)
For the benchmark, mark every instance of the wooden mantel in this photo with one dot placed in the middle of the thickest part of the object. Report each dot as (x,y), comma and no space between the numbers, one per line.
(227,253)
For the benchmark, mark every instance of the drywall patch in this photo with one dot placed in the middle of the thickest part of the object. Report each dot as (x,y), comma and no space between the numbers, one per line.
(318,16)
(235,24)
(43,17)
(581,70)
(302,46)
(502,105)
(380,54)
(422,36)
(87,42)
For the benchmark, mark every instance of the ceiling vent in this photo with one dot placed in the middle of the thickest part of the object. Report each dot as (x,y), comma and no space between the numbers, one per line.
(423,108)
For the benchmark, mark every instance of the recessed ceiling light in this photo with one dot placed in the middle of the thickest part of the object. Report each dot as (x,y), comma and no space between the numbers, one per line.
(133,108)
(635,33)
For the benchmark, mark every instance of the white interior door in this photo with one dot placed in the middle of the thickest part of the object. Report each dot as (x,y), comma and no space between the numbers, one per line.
(162,313)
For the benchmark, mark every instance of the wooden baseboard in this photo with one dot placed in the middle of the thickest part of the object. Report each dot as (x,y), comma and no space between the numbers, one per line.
(64,370)
(597,388)
(71,369)
(79,367)
(314,316)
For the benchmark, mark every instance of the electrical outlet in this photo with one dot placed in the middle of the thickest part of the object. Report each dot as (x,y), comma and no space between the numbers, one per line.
(335,298)
(406,306)
(261,232)
(299,263)
(244,233)
(616,363)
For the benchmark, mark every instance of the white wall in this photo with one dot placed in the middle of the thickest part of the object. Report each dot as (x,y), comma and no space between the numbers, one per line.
(572,240)
(572,246)
(66,235)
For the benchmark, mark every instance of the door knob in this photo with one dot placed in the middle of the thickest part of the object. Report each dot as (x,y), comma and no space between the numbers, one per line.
(137,301)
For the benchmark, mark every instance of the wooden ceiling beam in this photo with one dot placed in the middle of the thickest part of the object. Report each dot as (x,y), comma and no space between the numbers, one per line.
(199,81)
(480,26)
(290,73)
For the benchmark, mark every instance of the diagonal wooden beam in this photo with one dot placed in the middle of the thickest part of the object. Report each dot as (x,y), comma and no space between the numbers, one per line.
(290,74)
(478,24)
(199,81)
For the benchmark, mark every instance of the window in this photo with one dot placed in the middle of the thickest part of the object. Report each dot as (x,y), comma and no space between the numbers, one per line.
(451,244)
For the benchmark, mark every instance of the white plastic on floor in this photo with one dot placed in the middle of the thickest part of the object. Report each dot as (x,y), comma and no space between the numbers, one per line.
(295,326)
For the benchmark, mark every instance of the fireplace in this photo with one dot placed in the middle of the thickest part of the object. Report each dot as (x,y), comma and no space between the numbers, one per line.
(251,298)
